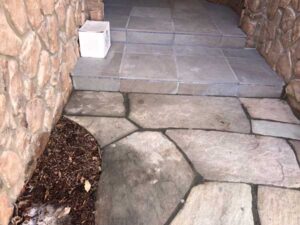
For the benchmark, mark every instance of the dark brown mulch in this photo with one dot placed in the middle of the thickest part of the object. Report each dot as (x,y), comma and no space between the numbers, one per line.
(70,161)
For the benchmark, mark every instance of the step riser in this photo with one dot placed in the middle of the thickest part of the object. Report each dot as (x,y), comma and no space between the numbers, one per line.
(134,37)
(173,87)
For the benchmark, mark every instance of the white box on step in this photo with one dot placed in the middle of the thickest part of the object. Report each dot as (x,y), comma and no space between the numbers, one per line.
(94,39)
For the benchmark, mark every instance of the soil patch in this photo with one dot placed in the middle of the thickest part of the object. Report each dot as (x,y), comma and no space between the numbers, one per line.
(65,180)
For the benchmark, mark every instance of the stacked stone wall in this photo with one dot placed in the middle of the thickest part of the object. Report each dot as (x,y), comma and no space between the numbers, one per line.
(273,27)
(39,48)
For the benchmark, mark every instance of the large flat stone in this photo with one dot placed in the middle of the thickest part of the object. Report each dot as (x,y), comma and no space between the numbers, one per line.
(270,109)
(239,157)
(105,130)
(276,129)
(141,182)
(217,203)
(165,111)
(278,206)
(95,104)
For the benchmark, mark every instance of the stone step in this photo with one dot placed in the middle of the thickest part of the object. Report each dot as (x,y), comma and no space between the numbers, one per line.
(200,23)
(191,70)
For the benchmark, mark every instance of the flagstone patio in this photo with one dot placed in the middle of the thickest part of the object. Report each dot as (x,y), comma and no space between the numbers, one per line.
(190,160)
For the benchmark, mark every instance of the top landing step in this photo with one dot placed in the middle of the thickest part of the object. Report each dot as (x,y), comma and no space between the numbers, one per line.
(174,22)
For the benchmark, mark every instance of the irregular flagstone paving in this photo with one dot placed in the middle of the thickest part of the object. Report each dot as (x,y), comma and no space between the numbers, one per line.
(105,130)
(144,178)
(276,129)
(92,103)
(278,206)
(239,157)
(270,109)
(166,111)
(216,204)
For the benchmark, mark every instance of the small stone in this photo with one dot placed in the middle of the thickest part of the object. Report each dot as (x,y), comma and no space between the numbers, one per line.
(105,130)
(3,108)
(217,203)
(297,69)
(35,114)
(284,66)
(239,157)
(30,55)
(278,206)
(60,9)
(269,109)
(167,111)
(276,129)
(288,19)
(11,168)
(47,6)
(6,209)
(44,72)
(17,11)
(34,12)
(10,42)
(141,182)
(91,103)
(53,32)
(70,23)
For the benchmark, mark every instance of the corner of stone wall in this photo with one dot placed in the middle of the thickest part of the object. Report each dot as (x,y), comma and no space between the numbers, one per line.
(39,48)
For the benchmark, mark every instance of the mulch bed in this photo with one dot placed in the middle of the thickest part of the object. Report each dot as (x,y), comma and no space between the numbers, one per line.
(61,179)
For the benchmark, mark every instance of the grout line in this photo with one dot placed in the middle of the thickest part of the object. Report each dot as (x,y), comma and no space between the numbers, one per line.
(255,213)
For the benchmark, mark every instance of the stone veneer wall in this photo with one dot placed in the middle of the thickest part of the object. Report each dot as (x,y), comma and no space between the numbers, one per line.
(39,48)
(273,27)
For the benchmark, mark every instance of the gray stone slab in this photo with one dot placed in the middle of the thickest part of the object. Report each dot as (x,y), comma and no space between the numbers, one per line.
(276,129)
(167,111)
(117,10)
(208,89)
(233,42)
(296,146)
(270,109)
(148,66)
(95,84)
(117,22)
(149,49)
(140,182)
(152,12)
(205,69)
(278,206)
(92,67)
(243,158)
(105,130)
(118,36)
(195,25)
(95,104)
(150,24)
(150,38)
(149,86)
(217,203)
(259,74)
(242,53)
(260,91)
(197,50)
(202,40)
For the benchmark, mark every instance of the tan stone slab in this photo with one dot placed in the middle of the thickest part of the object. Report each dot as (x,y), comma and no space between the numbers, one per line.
(144,178)
(270,109)
(92,103)
(166,111)
(276,129)
(217,203)
(296,146)
(105,130)
(278,206)
(239,157)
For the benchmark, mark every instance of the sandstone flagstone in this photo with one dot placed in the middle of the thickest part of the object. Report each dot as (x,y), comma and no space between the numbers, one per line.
(144,178)
(276,129)
(166,111)
(96,104)
(105,130)
(278,206)
(239,157)
(217,203)
(270,109)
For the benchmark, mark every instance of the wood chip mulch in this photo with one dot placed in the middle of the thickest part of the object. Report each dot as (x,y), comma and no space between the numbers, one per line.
(65,179)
